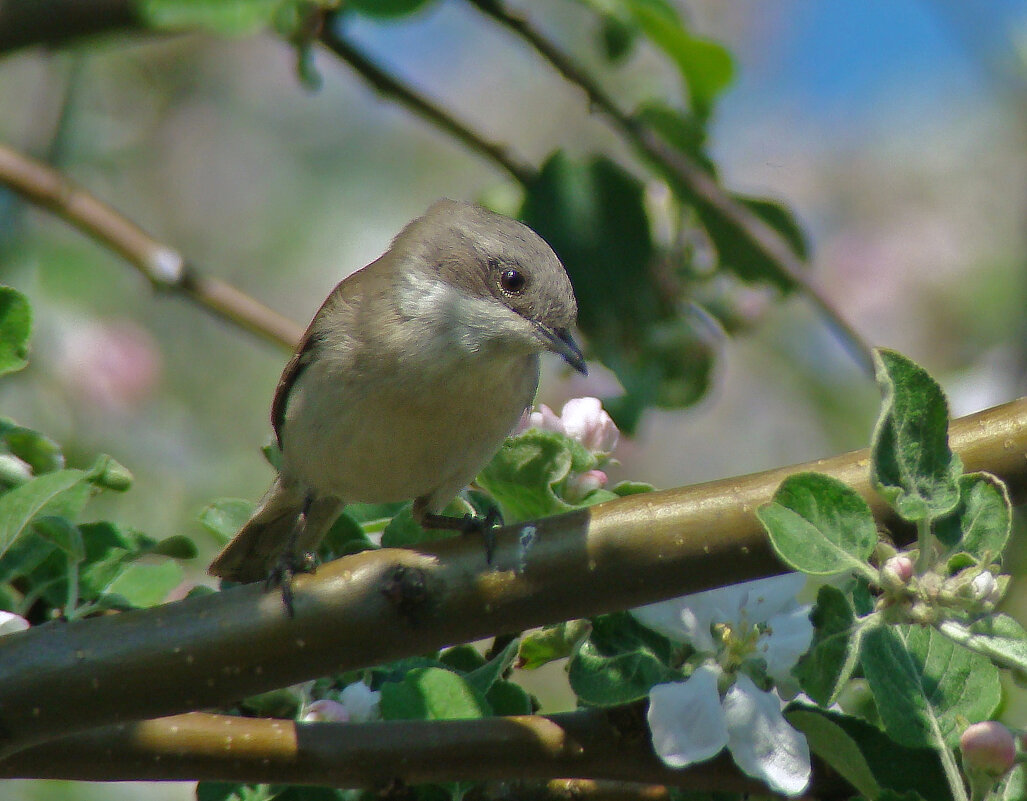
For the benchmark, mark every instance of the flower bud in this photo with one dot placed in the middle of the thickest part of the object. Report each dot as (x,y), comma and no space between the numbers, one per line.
(579,485)
(586,421)
(545,419)
(984,588)
(988,747)
(325,711)
(897,571)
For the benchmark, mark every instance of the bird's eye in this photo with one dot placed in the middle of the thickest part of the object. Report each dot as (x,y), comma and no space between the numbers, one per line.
(512,281)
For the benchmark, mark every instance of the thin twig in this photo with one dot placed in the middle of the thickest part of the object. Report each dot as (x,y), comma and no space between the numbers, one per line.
(162,265)
(391,86)
(683,169)
(377,606)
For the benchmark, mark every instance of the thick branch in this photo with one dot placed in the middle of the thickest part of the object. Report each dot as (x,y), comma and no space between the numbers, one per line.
(377,606)
(24,23)
(390,86)
(684,171)
(598,744)
(163,266)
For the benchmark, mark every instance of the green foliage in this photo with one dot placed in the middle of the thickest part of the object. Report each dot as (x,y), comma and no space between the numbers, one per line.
(593,214)
(526,476)
(913,467)
(545,645)
(818,525)
(432,694)
(834,654)
(925,685)
(980,523)
(620,662)
(15,327)
(868,759)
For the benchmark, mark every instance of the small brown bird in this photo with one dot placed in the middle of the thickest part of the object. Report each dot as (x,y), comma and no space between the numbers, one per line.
(407,381)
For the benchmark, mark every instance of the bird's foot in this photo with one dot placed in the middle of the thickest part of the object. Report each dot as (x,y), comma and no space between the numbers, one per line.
(288,566)
(485,526)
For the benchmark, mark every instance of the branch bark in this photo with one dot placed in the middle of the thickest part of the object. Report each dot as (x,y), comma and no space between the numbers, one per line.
(377,606)
(162,265)
(609,745)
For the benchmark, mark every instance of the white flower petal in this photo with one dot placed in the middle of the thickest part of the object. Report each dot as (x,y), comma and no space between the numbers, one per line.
(586,421)
(767,597)
(325,711)
(361,702)
(686,719)
(676,620)
(546,420)
(762,742)
(10,623)
(789,638)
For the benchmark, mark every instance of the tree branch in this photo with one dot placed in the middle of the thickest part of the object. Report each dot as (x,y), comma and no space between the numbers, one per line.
(24,23)
(684,171)
(390,86)
(163,266)
(611,745)
(381,605)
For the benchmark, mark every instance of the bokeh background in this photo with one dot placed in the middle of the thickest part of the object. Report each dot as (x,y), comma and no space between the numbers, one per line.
(896,131)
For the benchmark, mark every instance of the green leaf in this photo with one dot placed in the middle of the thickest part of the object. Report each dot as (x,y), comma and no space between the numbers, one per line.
(819,525)
(624,488)
(522,474)
(177,546)
(683,131)
(492,671)
(833,656)
(980,524)
(600,680)
(462,658)
(431,694)
(386,9)
(912,466)
(38,451)
(507,698)
(44,494)
(706,66)
(867,758)
(621,662)
(1014,785)
(226,17)
(63,534)
(997,637)
(15,329)
(736,251)
(924,684)
(224,517)
(143,584)
(108,473)
(346,536)
(545,645)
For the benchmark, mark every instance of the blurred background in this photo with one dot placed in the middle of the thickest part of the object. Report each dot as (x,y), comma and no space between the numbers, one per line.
(896,131)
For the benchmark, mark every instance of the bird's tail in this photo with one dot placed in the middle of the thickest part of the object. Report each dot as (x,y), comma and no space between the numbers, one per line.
(261,542)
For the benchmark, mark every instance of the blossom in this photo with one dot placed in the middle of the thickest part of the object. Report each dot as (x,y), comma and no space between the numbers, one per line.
(757,628)
(10,623)
(583,419)
(357,703)
(579,485)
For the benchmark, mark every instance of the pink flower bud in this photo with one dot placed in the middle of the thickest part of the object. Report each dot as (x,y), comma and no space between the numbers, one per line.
(897,571)
(988,747)
(325,711)
(545,419)
(586,421)
(579,485)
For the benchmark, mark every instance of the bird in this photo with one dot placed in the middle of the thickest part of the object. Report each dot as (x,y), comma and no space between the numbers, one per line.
(407,381)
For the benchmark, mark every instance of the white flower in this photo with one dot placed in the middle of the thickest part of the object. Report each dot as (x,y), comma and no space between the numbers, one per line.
(10,623)
(692,721)
(358,704)
(762,614)
(586,421)
(985,588)
(583,419)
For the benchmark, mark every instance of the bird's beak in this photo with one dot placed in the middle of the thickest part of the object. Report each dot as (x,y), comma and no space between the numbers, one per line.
(560,342)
